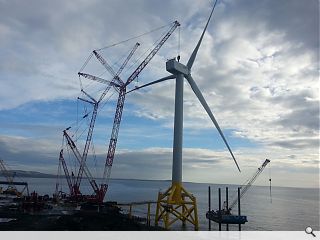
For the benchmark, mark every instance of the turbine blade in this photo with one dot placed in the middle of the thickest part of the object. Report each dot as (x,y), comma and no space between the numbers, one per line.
(154,82)
(206,107)
(195,51)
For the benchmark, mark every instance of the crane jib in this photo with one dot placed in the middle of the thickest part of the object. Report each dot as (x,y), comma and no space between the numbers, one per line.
(120,86)
(152,54)
(250,182)
(120,104)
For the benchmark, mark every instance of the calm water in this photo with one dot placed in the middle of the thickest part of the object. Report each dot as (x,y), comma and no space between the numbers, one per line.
(292,209)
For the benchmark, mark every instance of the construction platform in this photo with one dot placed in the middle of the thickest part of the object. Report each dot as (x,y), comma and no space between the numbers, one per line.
(225,218)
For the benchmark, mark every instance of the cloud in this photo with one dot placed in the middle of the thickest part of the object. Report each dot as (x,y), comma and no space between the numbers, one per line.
(257,69)
(256,75)
(29,154)
(43,50)
(199,164)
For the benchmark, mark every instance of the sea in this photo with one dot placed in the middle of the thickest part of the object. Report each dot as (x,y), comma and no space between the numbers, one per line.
(286,209)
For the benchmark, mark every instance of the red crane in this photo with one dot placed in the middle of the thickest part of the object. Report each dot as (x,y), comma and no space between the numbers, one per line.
(86,171)
(120,105)
(88,141)
(120,86)
(65,169)
(74,185)
(114,82)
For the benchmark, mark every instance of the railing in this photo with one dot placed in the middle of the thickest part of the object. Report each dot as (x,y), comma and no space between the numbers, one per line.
(131,210)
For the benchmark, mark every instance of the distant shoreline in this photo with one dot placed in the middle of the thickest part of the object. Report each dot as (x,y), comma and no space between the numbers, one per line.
(34,174)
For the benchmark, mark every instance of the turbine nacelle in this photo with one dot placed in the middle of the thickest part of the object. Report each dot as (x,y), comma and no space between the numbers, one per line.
(175,67)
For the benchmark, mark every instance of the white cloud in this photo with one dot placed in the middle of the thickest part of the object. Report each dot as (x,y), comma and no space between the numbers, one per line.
(199,165)
(257,66)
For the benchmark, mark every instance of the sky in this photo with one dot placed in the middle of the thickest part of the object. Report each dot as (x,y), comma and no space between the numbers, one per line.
(258,69)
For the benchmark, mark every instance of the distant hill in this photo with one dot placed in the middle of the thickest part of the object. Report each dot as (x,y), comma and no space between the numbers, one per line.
(31,174)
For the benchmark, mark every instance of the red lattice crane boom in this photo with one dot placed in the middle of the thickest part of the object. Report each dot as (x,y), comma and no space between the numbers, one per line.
(120,105)
(77,154)
(82,159)
(120,86)
(89,137)
(66,171)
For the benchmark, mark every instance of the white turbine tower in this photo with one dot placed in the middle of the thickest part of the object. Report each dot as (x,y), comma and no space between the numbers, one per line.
(176,201)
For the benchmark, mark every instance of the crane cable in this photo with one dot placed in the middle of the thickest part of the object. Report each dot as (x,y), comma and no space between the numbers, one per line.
(94,157)
(91,55)
(115,44)
(178,57)
(72,160)
(117,62)
(77,115)
(143,34)
(148,50)
(86,115)
(270,183)
(78,123)
(86,62)
(59,177)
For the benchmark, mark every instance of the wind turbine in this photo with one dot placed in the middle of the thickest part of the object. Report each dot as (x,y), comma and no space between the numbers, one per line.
(176,202)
